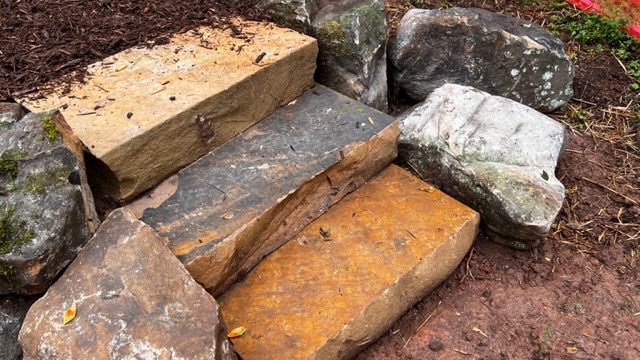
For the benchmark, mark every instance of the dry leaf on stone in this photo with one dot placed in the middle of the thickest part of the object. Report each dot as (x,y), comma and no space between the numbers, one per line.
(69,314)
(228,216)
(428,189)
(572,350)
(325,233)
(371,121)
(237,332)
(121,67)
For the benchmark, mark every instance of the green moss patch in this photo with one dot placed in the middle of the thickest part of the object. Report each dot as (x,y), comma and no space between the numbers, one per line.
(13,232)
(38,183)
(49,127)
(9,162)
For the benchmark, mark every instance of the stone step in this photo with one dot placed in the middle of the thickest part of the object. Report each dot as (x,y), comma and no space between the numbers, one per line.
(348,276)
(222,214)
(145,113)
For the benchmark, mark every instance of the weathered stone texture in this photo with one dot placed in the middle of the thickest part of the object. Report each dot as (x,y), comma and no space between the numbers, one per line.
(46,210)
(352,39)
(235,205)
(495,53)
(145,113)
(349,275)
(493,154)
(134,300)
(12,312)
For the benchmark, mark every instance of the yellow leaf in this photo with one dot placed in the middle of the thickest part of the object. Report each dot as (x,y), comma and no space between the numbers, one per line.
(572,350)
(121,67)
(69,314)
(371,120)
(428,189)
(237,332)
(228,216)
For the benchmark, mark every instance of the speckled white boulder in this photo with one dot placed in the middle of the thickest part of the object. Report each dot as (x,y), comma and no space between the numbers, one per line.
(495,53)
(491,153)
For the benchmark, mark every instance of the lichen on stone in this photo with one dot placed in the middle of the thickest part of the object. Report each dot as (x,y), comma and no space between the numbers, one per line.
(39,182)
(9,163)
(13,232)
(49,127)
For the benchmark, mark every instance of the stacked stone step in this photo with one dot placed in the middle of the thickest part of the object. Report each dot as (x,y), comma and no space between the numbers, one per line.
(252,183)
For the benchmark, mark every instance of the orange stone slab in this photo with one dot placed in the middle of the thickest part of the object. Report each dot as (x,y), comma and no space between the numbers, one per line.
(145,113)
(328,293)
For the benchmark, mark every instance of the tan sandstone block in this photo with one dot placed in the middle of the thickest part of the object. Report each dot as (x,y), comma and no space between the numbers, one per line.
(345,279)
(145,113)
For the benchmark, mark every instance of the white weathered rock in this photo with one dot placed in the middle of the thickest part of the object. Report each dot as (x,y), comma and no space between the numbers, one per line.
(491,153)
(495,53)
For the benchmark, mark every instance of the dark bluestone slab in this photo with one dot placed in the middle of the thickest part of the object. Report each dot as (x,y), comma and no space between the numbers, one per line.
(225,212)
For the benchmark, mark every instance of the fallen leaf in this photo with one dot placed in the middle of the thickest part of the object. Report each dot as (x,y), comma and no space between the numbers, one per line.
(237,332)
(121,67)
(228,216)
(371,121)
(428,189)
(69,314)
(572,350)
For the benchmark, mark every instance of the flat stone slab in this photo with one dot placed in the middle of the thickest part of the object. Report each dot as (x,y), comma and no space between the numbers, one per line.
(225,212)
(133,300)
(145,113)
(349,275)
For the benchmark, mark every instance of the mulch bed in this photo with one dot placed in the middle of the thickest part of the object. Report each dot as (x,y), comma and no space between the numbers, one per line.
(44,40)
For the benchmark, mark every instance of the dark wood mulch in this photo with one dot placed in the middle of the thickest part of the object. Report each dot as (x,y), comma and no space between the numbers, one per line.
(43,40)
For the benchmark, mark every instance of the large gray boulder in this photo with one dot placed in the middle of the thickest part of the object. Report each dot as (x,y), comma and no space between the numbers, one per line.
(133,299)
(13,309)
(46,207)
(352,39)
(491,153)
(495,53)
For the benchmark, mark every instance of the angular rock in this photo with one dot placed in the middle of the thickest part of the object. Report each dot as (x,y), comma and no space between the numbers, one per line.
(349,275)
(134,300)
(352,40)
(12,313)
(225,212)
(46,210)
(146,113)
(495,53)
(9,113)
(493,154)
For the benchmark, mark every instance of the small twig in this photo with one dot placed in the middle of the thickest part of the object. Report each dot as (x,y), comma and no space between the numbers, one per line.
(610,189)
(461,351)
(423,324)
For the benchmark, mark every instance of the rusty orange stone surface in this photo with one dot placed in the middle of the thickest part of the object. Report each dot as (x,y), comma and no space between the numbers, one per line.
(344,280)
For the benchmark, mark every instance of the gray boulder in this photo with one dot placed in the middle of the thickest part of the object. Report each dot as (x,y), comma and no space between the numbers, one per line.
(352,39)
(491,153)
(12,312)
(133,300)
(46,207)
(9,113)
(495,53)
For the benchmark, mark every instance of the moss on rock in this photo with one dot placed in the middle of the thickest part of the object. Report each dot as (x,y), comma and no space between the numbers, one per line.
(39,182)
(13,232)
(9,162)
(49,127)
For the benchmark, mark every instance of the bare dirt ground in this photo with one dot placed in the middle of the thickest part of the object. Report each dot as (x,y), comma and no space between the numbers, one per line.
(578,295)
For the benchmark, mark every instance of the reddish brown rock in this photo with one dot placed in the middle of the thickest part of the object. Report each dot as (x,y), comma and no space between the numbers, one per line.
(350,274)
(134,300)
(222,214)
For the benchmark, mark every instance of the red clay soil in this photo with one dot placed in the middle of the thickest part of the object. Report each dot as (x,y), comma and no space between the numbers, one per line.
(578,295)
